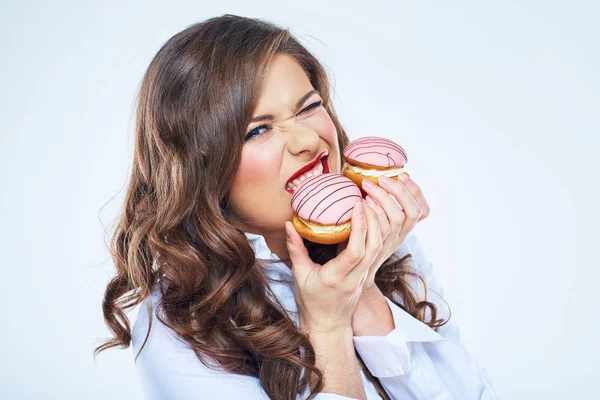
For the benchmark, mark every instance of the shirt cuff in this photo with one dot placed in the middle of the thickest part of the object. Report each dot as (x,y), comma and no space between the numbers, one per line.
(385,356)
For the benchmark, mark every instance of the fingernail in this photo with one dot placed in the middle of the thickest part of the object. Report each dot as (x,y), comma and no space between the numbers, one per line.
(403,177)
(385,181)
(360,209)
(368,184)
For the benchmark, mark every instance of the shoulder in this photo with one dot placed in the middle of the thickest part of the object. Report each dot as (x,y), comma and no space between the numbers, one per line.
(168,367)
(165,362)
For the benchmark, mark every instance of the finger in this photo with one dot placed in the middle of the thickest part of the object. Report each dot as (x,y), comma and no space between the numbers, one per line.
(374,242)
(384,222)
(373,245)
(338,268)
(416,192)
(392,208)
(301,261)
(402,194)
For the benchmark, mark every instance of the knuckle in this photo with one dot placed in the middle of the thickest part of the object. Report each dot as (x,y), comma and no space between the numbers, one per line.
(416,213)
(378,238)
(397,220)
(411,218)
(415,188)
(330,281)
(412,212)
(385,231)
(378,246)
(375,244)
(348,290)
(355,255)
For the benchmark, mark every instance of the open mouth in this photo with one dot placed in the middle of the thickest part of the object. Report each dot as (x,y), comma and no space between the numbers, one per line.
(317,167)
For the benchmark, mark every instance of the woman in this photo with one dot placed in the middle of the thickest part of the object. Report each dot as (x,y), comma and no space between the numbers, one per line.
(228,110)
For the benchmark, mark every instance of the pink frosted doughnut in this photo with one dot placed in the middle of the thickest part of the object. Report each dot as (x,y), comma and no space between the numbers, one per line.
(375,151)
(326,199)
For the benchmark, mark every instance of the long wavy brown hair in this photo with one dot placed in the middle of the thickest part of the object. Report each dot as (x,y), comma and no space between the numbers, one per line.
(195,101)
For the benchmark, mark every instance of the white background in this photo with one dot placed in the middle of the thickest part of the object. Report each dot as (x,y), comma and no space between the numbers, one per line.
(496,104)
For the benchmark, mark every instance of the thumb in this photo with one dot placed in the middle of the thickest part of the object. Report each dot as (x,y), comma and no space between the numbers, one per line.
(295,246)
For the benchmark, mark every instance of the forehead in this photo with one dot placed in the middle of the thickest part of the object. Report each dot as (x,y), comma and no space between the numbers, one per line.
(285,83)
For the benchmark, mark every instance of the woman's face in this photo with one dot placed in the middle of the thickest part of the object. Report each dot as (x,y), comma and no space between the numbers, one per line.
(275,148)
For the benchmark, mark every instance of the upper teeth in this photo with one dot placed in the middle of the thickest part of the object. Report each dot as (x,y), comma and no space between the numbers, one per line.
(317,170)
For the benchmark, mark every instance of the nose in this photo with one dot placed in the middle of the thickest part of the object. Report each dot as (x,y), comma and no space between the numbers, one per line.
(303,140)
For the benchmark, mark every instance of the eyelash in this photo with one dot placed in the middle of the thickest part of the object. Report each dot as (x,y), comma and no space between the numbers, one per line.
(249,135)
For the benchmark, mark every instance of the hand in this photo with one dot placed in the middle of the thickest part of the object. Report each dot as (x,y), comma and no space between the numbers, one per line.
(327,294)
(398,206)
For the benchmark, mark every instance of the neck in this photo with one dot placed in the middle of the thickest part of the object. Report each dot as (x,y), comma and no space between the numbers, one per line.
(276,242)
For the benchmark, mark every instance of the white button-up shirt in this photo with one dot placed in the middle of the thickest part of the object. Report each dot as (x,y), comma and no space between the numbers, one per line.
(411,362)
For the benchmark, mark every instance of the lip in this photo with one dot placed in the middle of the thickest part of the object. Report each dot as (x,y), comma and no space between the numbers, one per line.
(321,157)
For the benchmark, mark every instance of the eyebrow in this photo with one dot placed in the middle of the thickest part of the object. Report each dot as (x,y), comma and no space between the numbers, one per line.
(270,117)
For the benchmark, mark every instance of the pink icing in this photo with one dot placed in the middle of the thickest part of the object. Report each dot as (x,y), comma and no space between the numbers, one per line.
(327,199)
(377,151)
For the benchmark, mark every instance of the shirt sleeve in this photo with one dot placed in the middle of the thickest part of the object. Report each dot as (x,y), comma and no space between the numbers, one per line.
(406,361)
(168,368)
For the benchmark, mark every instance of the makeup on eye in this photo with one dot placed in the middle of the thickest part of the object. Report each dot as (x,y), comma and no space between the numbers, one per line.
(254,132)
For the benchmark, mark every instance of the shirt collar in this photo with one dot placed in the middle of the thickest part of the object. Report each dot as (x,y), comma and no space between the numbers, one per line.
(259,245)
(277,270)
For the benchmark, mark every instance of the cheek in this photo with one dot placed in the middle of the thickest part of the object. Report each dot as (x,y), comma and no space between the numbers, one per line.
(257,168)
(323,125)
